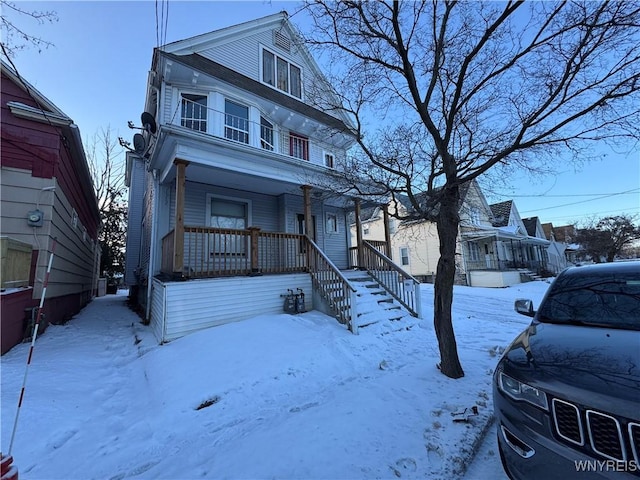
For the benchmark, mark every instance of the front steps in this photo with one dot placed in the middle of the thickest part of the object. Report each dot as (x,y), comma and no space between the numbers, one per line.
(376,310)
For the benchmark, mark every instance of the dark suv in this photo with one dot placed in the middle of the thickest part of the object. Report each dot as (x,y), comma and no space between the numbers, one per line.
(566,392)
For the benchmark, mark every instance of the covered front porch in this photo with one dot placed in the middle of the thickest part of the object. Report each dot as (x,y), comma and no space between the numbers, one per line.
(497,258)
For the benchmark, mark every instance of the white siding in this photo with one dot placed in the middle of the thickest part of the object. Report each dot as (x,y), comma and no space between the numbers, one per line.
(198,304)
(134,220)
(158,305)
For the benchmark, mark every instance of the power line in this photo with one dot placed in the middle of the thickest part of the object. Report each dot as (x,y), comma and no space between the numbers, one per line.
(629,192)
(584,201)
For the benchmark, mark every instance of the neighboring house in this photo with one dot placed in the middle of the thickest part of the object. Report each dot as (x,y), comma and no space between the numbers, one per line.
(563,251)
(494,248)
(229,202)
(47,197)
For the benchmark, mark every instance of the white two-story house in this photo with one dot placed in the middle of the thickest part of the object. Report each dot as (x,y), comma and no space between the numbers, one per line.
(229,199)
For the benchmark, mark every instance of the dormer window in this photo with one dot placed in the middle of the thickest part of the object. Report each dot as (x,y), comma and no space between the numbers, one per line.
(194,112)
(281,74)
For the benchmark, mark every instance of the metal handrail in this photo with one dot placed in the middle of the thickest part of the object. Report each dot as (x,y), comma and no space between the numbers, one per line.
(392,278)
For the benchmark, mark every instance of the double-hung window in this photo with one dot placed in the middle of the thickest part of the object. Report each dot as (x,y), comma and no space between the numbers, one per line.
(298,146)
(266,134)
(193,112)
(281,74)
(236,122)
(329,160)
(404,255)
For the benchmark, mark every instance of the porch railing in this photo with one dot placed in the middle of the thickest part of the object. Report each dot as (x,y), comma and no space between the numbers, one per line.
(379,245)
(214,252)
(401,285)
(333,286)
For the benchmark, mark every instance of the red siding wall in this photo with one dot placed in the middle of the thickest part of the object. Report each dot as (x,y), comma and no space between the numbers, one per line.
(47,152)
(12,314)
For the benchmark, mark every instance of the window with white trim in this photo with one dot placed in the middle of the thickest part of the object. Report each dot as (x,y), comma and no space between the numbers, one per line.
(404,255)
(281,74)
(236,122)
(228,215)
(298,146)
(332,223)
(365,230)
(193,111)
(266,134)
(329,160)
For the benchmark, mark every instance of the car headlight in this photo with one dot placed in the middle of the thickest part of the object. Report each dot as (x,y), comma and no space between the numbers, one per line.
(521,391)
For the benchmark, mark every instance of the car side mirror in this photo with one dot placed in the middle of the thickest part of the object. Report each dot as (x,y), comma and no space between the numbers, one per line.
(524,307)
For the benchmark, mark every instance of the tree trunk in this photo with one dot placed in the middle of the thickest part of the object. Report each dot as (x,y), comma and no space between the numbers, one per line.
(448,221)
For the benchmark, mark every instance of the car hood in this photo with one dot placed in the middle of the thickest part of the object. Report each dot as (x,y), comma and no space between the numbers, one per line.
(592,366)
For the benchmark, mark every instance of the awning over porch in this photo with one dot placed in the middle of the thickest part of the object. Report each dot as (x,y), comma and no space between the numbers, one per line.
(501,234)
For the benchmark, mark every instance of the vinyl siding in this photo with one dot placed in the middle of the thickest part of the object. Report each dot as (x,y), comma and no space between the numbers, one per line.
(198,304)
(158,302)
(74,265)
(134,225)
(264,208)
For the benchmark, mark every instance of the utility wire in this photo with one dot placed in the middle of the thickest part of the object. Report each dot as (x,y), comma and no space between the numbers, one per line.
(583,201)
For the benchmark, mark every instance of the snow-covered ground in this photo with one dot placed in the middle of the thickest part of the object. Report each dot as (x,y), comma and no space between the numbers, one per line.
(277,396)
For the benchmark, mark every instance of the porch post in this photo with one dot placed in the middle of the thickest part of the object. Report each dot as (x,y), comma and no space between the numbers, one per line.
(178,241)
(387,231)
(308,221)
(255,269)
(359,259)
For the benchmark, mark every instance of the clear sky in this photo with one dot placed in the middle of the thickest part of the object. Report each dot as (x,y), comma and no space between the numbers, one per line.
(96,72)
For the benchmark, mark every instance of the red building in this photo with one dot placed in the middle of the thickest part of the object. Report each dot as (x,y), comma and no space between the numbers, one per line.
(47,197)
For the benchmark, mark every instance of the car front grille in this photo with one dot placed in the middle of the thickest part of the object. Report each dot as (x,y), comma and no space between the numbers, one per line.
(596,432)
(634,434)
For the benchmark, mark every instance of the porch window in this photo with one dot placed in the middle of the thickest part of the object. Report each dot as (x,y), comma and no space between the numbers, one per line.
(298,146)
(281,74)
(226,214)
(474,252)
(236,121)
(266,134)
(404,255)
(332,223)
(194,112)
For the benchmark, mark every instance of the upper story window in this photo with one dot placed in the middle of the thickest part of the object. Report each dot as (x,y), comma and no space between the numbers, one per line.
(298,146)
(236,122)
(474,216)
(194,112)
(266,134)
(329,160)
(281,74)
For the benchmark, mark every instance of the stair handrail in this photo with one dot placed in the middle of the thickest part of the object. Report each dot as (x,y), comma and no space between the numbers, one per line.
(408,299)
(342,299)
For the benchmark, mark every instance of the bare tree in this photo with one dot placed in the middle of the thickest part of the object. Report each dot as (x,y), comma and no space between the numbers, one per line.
(14,37)
(107,171)
(607,237)
(457,89)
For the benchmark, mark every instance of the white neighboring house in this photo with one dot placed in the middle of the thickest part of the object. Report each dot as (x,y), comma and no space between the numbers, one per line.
(227,205)
(493,247)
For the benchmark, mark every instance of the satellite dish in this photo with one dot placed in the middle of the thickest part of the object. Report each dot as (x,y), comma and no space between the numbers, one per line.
(148,122)
(139,143)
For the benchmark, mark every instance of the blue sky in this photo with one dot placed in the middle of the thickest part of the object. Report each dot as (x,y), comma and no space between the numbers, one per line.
(96,73)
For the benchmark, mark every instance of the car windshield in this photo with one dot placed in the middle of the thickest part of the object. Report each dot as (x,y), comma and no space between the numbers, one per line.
(608,300)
